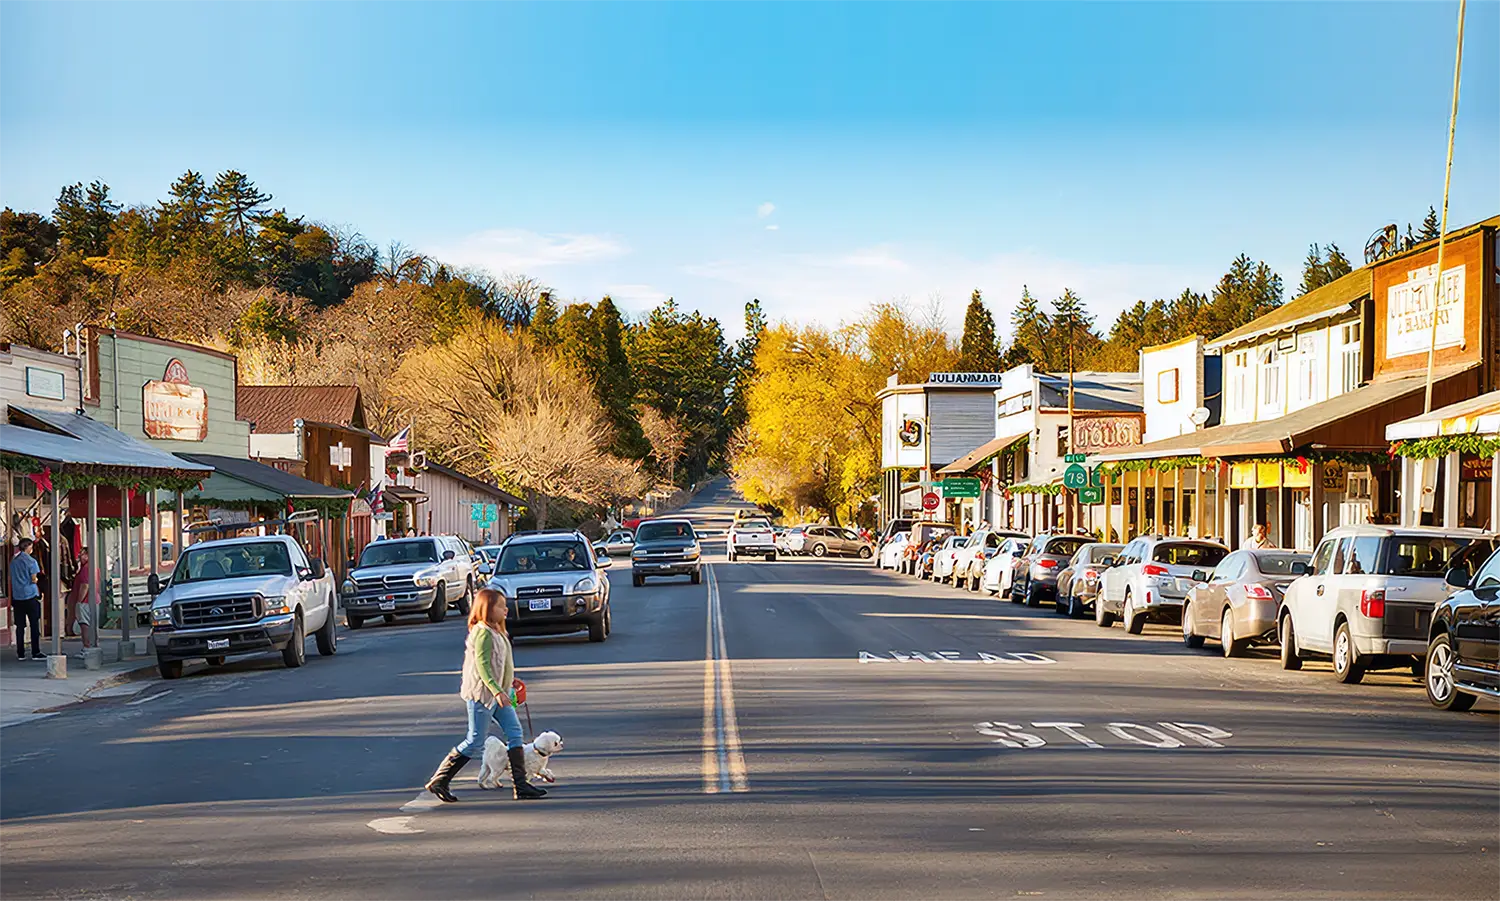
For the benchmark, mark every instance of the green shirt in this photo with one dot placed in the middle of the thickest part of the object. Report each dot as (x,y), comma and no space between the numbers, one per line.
(484,649)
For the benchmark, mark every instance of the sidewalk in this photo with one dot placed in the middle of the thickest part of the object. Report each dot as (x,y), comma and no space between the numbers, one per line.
(26,693)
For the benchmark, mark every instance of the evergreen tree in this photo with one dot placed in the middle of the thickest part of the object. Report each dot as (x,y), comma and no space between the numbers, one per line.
(543,326)
(1314,270)
(1337,265)
(85,217)
(978,350)
(683,369)
(1072,329)
(744,365)
(236,204)
(1029,328)
(591,338)
(1430,226)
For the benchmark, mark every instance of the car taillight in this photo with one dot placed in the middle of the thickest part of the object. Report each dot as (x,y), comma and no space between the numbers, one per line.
(979,555)
(1151,569)
(1258,592)
(1044,563)
(1372,603)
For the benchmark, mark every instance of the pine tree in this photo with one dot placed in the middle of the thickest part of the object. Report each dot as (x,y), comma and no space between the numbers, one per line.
(1337,265)
(1029,328)
(1072,329)
(1314,271)
(543,326)
(85,217)
(978,351)
(236,203)
(1430,226)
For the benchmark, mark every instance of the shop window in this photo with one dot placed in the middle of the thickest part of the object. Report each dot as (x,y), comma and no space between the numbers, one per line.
(1269,360)
(1350,369)
(1062,441)
(1166,386)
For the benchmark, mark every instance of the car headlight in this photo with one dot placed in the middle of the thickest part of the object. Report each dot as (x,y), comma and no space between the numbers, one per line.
(692,553)
(425,578)
(348,588)
(637,555)
(276,605)
(586,586)
(161,616)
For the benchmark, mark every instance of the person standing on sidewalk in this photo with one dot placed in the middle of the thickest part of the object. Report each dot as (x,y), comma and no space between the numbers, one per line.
(78,600)
(488,678)
(26,599)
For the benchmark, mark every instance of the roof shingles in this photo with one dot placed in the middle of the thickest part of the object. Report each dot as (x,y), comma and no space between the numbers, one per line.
(273,409)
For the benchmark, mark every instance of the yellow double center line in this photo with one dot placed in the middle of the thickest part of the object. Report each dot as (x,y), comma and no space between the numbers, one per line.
(723,760)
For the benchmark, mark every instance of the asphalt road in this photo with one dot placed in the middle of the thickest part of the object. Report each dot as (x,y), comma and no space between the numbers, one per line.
(854,734)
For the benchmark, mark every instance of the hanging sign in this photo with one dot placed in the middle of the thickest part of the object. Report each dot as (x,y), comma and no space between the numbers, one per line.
(172,409)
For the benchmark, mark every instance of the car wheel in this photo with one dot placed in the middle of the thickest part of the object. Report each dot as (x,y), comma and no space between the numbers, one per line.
(388,618)
(637,581)
(355,622)
(1442,692)
(467,601)
(1032,598)
(864,553)
(217,660)
(169,669)
(1102,618)
(439,609)
(1290,659)
(1347,667)
(1015,598)
(733,557)
(771,557)
(1060,606)
(1188,637)
(819,550)
(295,652)
(328,636)
(1232,646)
(597,630)
(697,576)
(609,620)
(1135,620)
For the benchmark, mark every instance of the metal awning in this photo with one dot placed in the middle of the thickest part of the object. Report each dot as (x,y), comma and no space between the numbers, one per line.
(239,480)
(72,439)
(980,454)
(1475,416)
(404,494)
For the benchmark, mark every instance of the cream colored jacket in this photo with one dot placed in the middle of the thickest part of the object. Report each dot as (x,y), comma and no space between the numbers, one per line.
(487,665)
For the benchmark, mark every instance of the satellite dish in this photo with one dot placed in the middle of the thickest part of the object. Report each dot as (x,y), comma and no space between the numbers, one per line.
(1199,416)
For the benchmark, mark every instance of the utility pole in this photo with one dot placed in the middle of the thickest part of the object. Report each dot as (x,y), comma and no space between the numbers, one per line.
(1072,497)
(1437,285)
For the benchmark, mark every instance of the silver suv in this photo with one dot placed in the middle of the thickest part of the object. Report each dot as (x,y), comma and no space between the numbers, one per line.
(554,584)
(242,596)
(410,575)
(1150,580)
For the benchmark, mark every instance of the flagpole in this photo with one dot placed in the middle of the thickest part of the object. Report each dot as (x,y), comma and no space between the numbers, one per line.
(1437,284)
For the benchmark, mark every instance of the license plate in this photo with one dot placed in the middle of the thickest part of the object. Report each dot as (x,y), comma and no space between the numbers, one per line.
(541,603)
(218,644)
(387,605)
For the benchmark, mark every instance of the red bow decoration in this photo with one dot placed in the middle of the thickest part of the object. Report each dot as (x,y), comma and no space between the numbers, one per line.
(1302,464)
(1391,451)
(43,479)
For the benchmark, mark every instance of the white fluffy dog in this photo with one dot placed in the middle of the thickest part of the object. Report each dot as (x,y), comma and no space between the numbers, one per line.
(538,753)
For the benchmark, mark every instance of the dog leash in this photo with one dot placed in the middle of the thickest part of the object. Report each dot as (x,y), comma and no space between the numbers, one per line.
(529,731)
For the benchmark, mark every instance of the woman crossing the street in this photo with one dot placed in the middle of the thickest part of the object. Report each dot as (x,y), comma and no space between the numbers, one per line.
(488,677)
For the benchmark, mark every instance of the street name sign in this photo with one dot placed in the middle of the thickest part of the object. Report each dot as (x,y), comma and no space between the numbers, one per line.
(962,487)
(1091,494)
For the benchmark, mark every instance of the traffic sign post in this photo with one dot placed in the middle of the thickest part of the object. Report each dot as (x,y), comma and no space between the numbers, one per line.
(930,501)
(1075,458)
(1091,494)
(1075,477)
(959,488)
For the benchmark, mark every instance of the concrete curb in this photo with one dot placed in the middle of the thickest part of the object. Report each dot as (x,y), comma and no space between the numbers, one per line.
(113,680)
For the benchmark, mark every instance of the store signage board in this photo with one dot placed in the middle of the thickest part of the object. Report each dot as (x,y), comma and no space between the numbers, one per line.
(172,409)
(48,383)
(1409,311)
(959,488)
(966,379)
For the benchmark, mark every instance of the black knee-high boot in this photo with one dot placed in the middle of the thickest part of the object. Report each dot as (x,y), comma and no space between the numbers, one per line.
(525,791)
(446,770)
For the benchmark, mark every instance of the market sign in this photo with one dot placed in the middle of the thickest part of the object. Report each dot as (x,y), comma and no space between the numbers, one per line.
(1096,434)
(959,488)
(484,515)
(172,409)
(967,379)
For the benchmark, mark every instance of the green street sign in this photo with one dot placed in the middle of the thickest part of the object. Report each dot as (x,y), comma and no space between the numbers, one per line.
(1095,480)
(1091,494)
(1076,458)
(1075,477)
(963,487)
(476,512)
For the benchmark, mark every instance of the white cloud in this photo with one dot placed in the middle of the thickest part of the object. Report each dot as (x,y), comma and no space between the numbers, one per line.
(518,250)
(765,209)
(772,228)
(637,296)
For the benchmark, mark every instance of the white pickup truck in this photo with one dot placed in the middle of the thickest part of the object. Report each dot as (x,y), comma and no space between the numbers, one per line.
(243,596)
(752,535)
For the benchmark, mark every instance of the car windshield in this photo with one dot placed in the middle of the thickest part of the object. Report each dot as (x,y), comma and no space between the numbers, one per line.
(391,553)
(1189,554)
(202,564)
(1279,564)
(961,542)
(1098,552)
(1423,556)
(1065,547)
(753,524)
(664,531)
(560,555)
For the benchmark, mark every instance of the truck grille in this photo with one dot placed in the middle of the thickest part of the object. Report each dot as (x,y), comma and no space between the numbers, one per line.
(539,591)
(385,583)
(216,612)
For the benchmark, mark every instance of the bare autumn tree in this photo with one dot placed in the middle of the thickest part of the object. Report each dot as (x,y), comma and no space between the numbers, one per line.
(666,438)
(491,402)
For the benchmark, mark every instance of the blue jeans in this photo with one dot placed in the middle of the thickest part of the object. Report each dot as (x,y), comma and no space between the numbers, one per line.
(479,727)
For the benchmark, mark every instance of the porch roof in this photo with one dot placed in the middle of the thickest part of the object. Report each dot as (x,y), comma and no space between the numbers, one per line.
(72,439)
(1475,416)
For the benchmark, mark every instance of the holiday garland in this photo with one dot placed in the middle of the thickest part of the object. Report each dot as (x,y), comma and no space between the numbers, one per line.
(1443,445)
(82,475)
(1035,489)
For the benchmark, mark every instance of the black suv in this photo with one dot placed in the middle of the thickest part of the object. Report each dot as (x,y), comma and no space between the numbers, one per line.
(665,547)
(1463,653)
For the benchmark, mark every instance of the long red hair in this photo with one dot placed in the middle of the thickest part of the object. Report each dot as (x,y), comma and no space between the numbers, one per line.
(489,608)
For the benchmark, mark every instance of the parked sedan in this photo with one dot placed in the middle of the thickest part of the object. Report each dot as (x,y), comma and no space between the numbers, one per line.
(1369,597)
(1151,578)
(1078,583)
(836,541)
(893,551)
(968,566)
(1045,557)
(619,543)
(944,557)
(1463,655)
(1237,603)
(1000,569)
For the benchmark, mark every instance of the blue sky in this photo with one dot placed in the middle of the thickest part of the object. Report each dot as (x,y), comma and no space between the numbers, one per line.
(817,156)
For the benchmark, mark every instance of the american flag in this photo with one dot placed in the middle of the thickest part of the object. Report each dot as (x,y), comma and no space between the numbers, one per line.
(402,440)
(376,499)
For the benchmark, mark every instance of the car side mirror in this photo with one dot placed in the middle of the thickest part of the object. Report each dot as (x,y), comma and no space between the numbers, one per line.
(305,574)
(153,584)
(1299,568)
(447,555)
(605,562)
(1200,575)
(319,569)
(353,564)
(1457,577)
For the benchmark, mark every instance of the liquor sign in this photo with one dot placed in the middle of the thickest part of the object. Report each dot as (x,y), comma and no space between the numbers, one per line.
(959,488)
(172,409)
(1096,434)
(1409,310)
